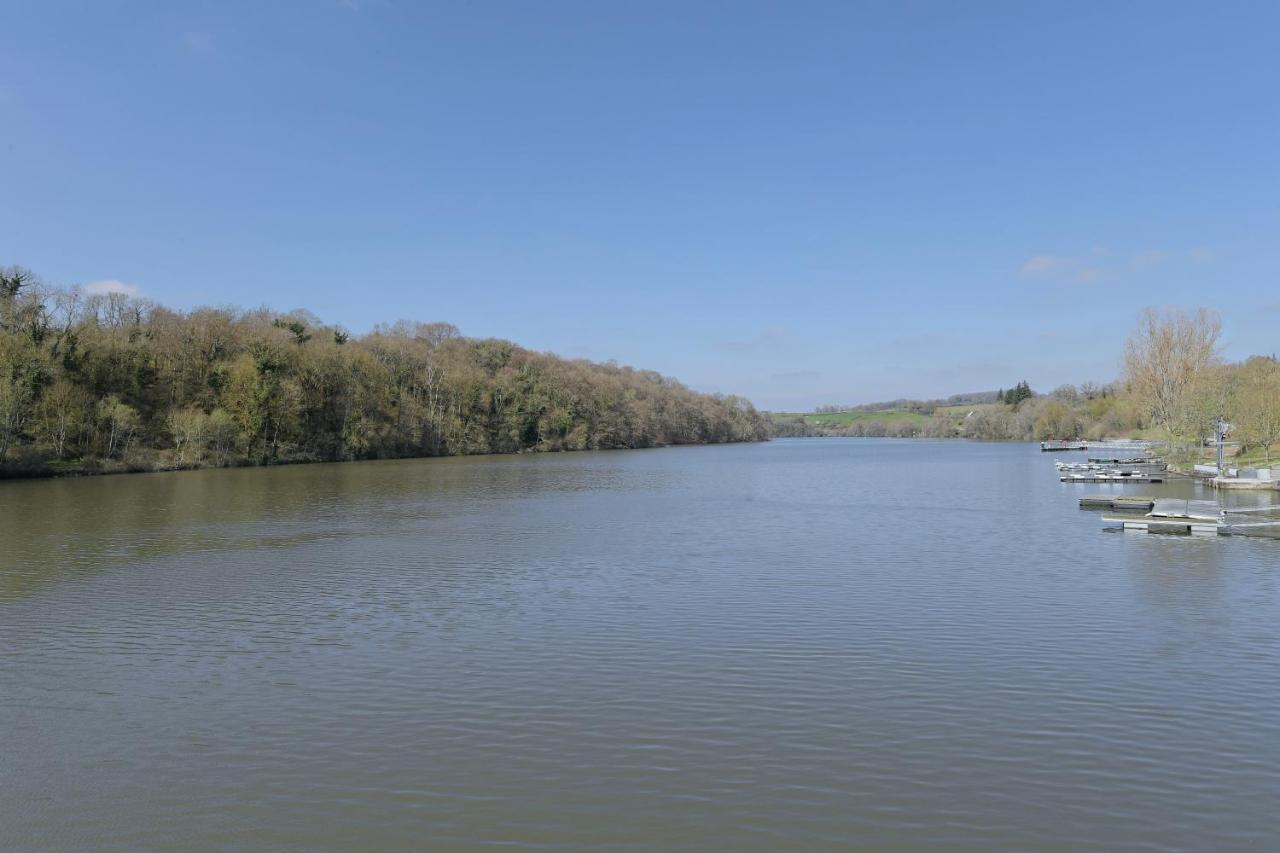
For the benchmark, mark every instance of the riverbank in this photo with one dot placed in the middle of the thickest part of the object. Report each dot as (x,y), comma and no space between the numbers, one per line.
(108,383)
(1030,419)
(109,467)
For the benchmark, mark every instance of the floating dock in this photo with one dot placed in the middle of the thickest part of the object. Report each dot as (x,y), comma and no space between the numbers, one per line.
(1264,529)
(1148,524)
(1118,503)
(1110,451)
(1103,466)
(1104,477)
(1173,515)
(1199,518)
(1238,526)
(1055,446)
(1118,446)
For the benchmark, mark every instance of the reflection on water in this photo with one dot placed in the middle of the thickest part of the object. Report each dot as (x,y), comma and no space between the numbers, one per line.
(58,527)
(800,644)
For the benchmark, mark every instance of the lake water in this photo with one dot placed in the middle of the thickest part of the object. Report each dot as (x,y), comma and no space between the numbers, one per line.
(799,644)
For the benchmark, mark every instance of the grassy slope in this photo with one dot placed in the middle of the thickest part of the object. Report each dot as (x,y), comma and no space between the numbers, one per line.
(961,411)
(842,419)
(885,416)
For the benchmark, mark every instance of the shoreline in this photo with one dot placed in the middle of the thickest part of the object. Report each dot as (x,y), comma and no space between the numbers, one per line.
(69,471)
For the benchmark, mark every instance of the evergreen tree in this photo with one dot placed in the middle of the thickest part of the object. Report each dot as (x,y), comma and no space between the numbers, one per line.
(1015,395)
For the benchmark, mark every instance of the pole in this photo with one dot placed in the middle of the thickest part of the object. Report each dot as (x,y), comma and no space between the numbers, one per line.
(1219,433)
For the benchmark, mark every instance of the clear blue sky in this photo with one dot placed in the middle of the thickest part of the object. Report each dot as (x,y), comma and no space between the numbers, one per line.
(802,202)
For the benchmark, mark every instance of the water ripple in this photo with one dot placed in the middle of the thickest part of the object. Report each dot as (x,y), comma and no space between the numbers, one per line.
(806,644)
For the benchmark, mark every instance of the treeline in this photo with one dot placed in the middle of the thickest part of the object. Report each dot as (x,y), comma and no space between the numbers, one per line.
(919,407)
(1016,394)
(108,382)
(1175,387)
(1089,411)
(1175,375)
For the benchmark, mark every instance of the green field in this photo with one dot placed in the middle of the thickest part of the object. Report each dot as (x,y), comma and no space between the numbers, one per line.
(884,416)
(843,419)
(961,411)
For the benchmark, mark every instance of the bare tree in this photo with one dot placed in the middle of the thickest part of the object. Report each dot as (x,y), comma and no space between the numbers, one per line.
(13,280)
(1166,355)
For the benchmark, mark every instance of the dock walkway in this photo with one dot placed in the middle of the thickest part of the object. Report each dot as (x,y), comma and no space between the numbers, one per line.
(1101,477)
(1118,503)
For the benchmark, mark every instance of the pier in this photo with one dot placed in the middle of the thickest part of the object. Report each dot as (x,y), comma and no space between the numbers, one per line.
(1174,515)
(1246,478)
(1132,465)
(1108,451)
(1150,514)
(1148,524)
(1112,477)
(1056,446)
(1196,518)
(1118,503)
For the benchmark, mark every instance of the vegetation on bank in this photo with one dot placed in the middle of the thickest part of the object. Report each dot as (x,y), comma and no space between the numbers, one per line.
(844,420)
(916,407)
(1068,412)
(108,382)
(1174,388)
(1178,380)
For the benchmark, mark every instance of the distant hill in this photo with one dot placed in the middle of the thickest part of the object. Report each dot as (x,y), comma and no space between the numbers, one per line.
(920,407)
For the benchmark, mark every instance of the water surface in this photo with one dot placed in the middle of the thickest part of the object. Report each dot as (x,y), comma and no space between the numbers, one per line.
(891,644)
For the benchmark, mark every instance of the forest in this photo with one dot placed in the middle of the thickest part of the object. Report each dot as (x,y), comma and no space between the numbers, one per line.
(97,383)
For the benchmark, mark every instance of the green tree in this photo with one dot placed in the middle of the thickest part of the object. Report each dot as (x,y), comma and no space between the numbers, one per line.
(64,413)
(189,427)
(117,422)
(22,376)
(99,375)
(221,435)
(1255,405)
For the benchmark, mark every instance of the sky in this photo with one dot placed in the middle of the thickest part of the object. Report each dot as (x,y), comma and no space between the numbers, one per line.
(804,203)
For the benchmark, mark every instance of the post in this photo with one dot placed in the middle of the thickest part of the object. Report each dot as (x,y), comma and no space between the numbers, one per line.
(1219,433)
